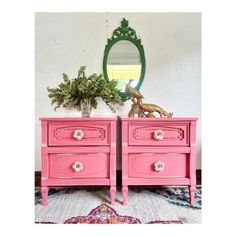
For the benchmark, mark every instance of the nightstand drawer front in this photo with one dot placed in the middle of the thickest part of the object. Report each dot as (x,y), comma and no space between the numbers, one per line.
(159,134)
(78,134)
(157,165)
(79,165)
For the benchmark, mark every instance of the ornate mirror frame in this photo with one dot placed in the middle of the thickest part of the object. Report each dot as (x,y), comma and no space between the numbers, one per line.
(124,32)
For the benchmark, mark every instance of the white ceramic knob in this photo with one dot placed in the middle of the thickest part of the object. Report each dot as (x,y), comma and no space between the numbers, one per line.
(78,134)
(159,166)
(158,134)
(78,166)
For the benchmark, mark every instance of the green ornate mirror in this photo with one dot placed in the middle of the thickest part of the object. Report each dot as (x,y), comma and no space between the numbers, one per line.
(124,59)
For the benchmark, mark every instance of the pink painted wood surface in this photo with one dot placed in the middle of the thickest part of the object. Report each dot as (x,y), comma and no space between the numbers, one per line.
(173,134)
(113,162)
(44,191)
(62,134)
(81,149)
(140,150)
(113,194)
(125,194)
(160,120)
(192,191)
(44,154)
(143,165)
(159,181)
(93,165)
(62,154)
(78,119)
(192,166)
(124,134)
(77,182)
(158,149)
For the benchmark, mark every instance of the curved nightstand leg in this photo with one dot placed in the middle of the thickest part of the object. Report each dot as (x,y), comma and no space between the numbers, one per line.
(192,190)
(124,193)
(113,194)
(44,192)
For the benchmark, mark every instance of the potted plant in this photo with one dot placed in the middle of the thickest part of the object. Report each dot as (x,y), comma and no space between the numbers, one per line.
(82,92)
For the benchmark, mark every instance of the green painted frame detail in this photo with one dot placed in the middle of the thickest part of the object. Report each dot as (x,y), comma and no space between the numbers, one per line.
(124,32)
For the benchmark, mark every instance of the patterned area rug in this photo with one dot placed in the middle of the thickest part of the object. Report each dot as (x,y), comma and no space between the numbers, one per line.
(179,196)
(91,206)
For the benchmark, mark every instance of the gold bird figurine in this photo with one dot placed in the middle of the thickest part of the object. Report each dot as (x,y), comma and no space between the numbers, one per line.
(150,108)
(133,92)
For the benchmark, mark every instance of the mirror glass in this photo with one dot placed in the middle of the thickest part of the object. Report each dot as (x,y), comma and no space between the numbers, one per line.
(124,64)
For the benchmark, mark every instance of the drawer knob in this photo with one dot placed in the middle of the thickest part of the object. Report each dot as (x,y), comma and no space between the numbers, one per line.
(159,166)
(158,134)
(78,134)
(77,166)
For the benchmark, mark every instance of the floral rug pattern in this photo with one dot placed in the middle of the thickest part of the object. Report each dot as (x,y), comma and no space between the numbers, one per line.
(105,213)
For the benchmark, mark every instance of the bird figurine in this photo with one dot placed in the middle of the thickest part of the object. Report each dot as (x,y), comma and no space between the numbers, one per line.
(140,109)
(133,92)
(150,108)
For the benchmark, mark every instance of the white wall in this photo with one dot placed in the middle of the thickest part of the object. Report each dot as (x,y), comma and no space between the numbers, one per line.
(172,45)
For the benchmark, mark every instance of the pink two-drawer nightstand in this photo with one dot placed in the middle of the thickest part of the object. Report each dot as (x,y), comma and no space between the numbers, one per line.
(158,151)
(78,151)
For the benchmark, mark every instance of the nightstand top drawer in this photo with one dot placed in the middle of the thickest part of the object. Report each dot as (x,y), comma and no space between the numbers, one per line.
(78,133)
(158,134)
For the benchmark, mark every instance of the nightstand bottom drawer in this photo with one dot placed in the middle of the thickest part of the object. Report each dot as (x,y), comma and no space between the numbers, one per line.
(82,165)
(158,165)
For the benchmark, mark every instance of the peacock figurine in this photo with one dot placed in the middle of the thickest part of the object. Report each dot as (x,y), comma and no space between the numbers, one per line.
(133,92)
(151,108)
(141,109)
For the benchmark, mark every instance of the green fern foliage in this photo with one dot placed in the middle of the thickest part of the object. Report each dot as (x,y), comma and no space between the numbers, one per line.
(71,92)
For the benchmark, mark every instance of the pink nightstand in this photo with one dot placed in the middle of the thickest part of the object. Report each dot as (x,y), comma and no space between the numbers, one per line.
(78,151)
(158,151)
